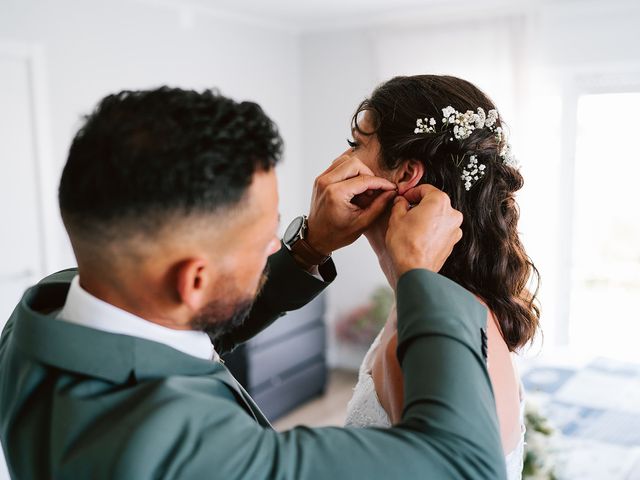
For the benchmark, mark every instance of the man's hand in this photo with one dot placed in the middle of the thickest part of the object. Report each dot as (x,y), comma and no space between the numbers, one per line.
(335,219)
(422,236)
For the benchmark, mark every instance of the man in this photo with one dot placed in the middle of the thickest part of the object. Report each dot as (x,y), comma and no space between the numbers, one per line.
(170,201)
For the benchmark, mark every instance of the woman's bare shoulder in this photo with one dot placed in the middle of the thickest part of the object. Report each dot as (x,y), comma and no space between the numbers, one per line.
(506,385)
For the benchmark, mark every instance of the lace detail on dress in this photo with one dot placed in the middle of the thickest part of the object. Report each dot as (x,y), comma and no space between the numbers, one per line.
(515,460)
(364,410)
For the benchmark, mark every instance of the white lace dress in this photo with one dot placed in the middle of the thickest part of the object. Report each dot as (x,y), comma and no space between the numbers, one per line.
(364,410)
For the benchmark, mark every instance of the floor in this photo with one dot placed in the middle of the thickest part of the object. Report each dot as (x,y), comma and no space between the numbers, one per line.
(328,410)
(595,411)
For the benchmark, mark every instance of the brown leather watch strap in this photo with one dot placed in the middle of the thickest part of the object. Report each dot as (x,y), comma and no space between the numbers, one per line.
(303,251)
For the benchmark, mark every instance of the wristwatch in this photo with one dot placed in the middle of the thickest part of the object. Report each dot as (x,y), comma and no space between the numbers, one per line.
(294,240)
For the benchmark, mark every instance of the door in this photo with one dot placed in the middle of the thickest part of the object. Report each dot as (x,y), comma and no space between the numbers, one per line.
(21,252)
(21,235)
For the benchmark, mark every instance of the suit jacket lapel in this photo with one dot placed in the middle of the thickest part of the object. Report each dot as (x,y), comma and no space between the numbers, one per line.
(225,376)
(106,355)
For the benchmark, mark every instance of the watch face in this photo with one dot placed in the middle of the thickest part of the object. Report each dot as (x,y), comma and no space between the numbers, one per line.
(293,230)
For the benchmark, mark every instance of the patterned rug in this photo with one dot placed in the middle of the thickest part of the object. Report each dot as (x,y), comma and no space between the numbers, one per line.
(595,409)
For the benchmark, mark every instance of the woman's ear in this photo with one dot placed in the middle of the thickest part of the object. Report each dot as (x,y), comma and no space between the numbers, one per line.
(409,175)
(192,283)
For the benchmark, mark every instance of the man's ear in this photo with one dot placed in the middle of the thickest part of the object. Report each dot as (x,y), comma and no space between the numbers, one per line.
(409,175)
(192,282)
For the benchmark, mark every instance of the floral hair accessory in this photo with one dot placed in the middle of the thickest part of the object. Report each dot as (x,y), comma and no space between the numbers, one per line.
(472,172)
(506,152)
(463,123)
(461,126)
(426,125)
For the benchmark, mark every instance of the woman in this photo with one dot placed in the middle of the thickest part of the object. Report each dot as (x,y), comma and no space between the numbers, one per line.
(444,131)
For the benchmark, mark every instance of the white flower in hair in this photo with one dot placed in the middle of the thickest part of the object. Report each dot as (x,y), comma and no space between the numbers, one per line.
(461,126)
(425,125)
(492,118)
(506,151)
(463,123)
(447,112)
(472,172)
(508,158)
(480,118)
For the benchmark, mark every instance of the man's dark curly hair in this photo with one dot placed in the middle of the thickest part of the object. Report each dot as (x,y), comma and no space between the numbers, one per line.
(144,155)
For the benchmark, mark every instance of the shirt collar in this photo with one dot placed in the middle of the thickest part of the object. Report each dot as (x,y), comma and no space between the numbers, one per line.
(82,308)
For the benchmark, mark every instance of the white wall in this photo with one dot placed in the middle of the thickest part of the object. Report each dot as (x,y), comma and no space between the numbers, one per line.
(90,49)
(337,73)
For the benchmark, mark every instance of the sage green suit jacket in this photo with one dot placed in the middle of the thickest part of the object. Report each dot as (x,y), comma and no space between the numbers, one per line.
(80,403)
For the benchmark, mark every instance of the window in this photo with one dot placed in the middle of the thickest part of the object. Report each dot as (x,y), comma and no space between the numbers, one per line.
(605,268)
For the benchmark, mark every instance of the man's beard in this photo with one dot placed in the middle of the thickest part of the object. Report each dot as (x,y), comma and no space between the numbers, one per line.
(227,312)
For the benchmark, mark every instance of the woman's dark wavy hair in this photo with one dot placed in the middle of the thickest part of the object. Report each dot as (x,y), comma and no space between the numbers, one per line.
(490,260)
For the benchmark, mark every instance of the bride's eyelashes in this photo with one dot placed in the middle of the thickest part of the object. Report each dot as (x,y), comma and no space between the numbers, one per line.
(353,143)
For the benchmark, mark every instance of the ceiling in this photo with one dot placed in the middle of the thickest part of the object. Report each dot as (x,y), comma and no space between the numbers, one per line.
(306,11)
(305,15)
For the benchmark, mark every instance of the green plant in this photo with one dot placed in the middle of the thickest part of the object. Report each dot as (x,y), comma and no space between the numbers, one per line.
(361,325)
(538,458)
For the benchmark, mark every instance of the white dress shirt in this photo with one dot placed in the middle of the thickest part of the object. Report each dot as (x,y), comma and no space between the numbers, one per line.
(84,309)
